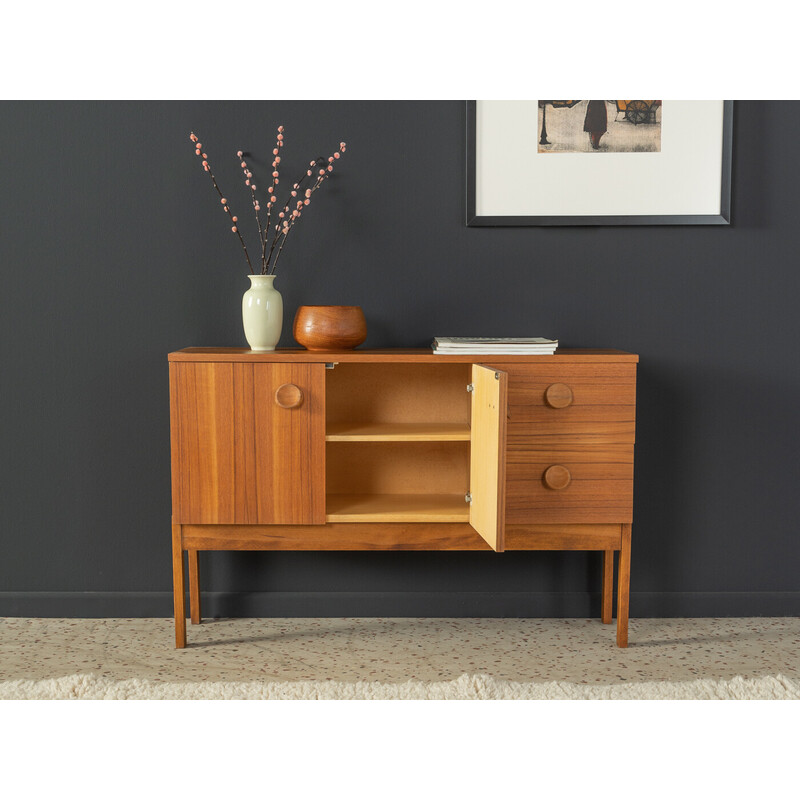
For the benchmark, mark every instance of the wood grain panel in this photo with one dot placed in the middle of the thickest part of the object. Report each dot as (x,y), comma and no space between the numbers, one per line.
(487,483)
(600,490)
(239,457)
(290,444)
(608,587)
(336,536)
(397,508)
(584,465)
(246,476)
(194,587)
(616,453)
(176,460)
(589,425)
(623,586)
(396,536)
(590,515)
(398,393)
(588,377)
(603,407)
(524,435)
(530,387)
(584,500)
(398,467)
(584,493)
(397,432)
(178,587)
(559,536)
(205,427)
(575,417)
(395,355)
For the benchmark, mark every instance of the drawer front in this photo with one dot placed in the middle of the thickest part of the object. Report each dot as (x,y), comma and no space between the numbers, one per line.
(569,485)
(586,403)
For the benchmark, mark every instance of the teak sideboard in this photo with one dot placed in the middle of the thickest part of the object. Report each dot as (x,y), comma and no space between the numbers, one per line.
(401,450)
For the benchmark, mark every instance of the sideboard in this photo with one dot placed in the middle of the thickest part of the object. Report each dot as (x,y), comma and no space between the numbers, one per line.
(401,450)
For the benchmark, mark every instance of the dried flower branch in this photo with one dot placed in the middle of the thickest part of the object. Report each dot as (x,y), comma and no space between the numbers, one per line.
(320,169)
(272,198)
(234,220)
(323,174)
(247,180)
(285,215)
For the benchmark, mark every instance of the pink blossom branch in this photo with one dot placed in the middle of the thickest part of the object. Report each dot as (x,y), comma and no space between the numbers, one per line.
(222,198)
(285,235)
(272,199)
(286,218)
(283,215)
(322,175)
(288,225)
(247,181)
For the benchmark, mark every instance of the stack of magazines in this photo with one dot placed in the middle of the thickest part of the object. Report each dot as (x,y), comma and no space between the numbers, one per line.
(462,345)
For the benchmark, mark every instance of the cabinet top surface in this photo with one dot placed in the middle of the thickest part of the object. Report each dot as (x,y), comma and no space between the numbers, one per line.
(417,355)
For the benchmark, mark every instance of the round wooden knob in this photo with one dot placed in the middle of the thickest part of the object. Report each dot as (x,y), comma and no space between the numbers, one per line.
(289,396)
(556,477)
(558,395)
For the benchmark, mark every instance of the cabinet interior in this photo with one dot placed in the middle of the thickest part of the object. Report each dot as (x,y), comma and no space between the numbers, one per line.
(397,442)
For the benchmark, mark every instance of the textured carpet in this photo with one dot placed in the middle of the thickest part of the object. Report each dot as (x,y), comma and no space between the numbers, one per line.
(346,650)
(467,687)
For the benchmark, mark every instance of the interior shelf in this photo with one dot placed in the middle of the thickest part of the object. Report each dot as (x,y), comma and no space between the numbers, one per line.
(397,432)
(397,508)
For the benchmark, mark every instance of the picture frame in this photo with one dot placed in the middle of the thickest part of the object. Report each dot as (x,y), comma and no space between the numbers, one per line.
(710,147)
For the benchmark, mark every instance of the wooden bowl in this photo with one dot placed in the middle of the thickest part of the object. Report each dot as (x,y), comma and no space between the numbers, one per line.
(329,327)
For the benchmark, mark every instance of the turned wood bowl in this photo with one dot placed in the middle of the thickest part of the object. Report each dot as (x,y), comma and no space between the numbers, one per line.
(329,327)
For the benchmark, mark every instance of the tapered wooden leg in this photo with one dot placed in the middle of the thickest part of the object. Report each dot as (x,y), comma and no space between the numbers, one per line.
(194,587)
(608,586)
(179,587)
(623,586)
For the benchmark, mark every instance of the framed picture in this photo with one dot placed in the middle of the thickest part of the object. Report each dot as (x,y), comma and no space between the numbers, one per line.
(599,162)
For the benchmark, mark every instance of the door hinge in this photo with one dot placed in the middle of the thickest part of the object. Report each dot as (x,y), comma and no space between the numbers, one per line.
(470,387)
(467,498)
(331,364)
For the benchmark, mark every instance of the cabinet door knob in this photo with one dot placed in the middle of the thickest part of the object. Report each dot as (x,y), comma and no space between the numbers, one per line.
(289,396)
(557,477)
(558,395)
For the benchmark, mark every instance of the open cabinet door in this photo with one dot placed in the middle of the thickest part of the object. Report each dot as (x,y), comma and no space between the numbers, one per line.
(487,460)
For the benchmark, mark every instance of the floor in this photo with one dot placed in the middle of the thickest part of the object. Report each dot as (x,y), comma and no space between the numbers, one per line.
(395,650)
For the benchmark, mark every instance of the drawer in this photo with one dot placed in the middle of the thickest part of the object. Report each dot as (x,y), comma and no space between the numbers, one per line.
(591,384)
(569,485)
(591,403)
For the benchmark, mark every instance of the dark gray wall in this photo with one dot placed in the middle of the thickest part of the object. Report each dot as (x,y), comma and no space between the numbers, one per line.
(114,251)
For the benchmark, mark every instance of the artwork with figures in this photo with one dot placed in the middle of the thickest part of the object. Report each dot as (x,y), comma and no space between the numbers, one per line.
(599,126)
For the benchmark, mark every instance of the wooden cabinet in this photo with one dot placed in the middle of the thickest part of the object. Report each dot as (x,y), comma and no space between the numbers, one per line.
(403,450)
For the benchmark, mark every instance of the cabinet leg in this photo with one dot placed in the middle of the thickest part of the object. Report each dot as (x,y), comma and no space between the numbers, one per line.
(179,587)
(623,586)
(608,586)
(194,587)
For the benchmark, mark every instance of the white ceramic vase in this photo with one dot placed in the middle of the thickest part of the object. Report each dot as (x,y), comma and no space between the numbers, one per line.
(262,313)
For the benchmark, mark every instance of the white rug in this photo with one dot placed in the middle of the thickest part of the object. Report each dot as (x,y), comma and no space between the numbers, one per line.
(467,687)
